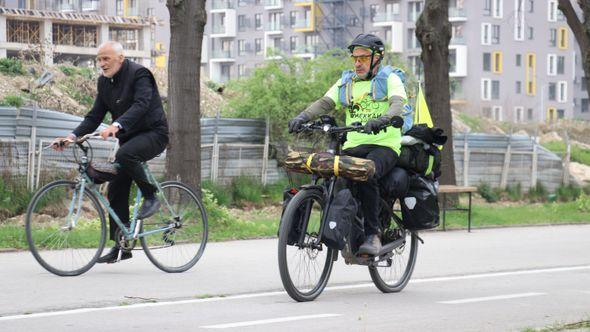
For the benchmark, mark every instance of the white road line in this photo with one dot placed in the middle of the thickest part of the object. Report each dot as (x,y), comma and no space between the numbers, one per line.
(268,321)
(269,294)
(492,298)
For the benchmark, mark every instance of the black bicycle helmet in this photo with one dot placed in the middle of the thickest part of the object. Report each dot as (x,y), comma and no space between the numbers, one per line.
(369,41)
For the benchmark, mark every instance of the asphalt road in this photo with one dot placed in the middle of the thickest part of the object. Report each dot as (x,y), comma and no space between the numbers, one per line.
(491,280)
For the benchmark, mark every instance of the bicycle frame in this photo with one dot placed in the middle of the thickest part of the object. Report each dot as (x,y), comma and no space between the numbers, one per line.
(131,232)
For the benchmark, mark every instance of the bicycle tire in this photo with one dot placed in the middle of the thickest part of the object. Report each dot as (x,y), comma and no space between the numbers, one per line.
(42,221)
(378,273)
(306,291)
(155,244)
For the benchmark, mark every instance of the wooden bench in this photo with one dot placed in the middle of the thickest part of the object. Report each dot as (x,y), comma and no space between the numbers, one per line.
(449,189)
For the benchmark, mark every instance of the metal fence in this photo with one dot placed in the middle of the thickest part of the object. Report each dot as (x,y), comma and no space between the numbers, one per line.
(499,160)
(229,147)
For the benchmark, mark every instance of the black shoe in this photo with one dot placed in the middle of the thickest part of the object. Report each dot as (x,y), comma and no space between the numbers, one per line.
(149,207)
(113,256)
(371,246)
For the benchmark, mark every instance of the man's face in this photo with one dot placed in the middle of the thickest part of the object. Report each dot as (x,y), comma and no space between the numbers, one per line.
(109,61)
(362,61)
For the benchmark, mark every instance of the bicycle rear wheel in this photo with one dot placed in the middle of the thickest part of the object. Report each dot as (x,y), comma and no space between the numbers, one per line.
(393,274)
(180,248)
(65,232)
(305,266)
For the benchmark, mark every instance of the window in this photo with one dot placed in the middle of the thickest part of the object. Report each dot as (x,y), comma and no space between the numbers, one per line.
(562,38)
(497,111)
(452,61)
(531,67)
(487,8)
(93,5)
(551,64)
(497,8)
(415,65)
(518,87)
(495,89)
(562,91)
(561,65)
(242,23)
(560,113)
(529,114)
(518,60)
(553,37)
(551,115)
(258,46)
(241,47)
(531,35)
(412,40)
(519,20)
(552,92)
(495,34)
(258,21)
(497,65)
(531,6)
(414,10)
(486,89)
(241,71)
(486,34)
(293,41)
(487,112)
(373,10)
(584,84)
(293,18)
(584,105)
(552,10)
(487,62)
(519,114)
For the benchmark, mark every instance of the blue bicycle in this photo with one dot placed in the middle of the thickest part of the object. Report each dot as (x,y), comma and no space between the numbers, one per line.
(66,224)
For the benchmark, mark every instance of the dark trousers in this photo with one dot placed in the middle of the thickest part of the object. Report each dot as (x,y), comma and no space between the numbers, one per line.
(368,192)
(140,148)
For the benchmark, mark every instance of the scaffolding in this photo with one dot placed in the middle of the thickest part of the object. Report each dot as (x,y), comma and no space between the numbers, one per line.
(26,32)
(129,38)
(75,35)
(340,21)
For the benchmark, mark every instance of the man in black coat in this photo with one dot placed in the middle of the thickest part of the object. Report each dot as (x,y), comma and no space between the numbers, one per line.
(129,92)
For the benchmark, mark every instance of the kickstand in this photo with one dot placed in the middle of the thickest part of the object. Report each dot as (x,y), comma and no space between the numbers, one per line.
(119,255)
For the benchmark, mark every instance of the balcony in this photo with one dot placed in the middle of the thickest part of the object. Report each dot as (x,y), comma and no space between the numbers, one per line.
(228,28)
(457,14)
(223,4)
(304,25)
(222,56)
(458,40)
(275,27)
(273,4)
(385,19)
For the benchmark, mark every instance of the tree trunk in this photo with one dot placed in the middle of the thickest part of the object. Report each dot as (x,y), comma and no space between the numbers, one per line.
(581,31)
(433,30)
(183,159)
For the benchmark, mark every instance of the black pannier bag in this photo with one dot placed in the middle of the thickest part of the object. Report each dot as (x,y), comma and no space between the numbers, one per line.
(102,172)
(340,217)
(420,205)
(420,157)
(295,230)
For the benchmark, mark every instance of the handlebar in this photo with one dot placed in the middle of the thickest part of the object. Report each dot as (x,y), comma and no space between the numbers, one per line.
(328,125)
(78,141)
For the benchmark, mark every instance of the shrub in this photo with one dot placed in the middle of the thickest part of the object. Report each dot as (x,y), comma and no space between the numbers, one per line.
(12,100)
(11,66)
(487,193)
(222,194)
(583,202)
(568,193)
(246,189)
(538,193)
(514,192)
(14,197)
(218,216)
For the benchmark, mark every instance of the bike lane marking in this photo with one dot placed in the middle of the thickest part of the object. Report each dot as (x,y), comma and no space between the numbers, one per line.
(282,293)
(492,298)
(268,321)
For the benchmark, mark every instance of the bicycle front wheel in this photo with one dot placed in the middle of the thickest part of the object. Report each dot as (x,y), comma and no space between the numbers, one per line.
(393,274)
(305,263)
(180,248)
(65,232)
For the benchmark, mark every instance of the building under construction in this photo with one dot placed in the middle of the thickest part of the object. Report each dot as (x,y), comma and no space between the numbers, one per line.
(57,31)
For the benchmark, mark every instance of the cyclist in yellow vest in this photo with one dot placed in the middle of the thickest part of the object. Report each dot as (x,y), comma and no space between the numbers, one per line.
(371,94)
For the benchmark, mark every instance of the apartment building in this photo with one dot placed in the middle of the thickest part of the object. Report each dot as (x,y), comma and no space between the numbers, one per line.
(71,30)
(513,61)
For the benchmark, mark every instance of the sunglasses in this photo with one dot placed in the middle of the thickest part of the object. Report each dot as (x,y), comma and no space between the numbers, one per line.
(364,59)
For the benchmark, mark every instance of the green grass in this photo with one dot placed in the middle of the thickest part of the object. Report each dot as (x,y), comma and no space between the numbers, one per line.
(12,66)
(558,327)
(578,154)
(531,214)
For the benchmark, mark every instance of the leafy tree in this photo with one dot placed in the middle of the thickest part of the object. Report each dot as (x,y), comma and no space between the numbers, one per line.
(581,30)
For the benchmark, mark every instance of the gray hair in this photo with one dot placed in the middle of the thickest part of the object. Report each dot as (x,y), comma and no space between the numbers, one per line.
(117,47)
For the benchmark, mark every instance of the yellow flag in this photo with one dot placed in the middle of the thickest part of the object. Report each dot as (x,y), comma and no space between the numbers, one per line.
(422,114)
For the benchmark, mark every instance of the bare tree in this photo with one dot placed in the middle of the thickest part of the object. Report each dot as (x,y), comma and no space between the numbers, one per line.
(581,31)
(433,30)
(187,22)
